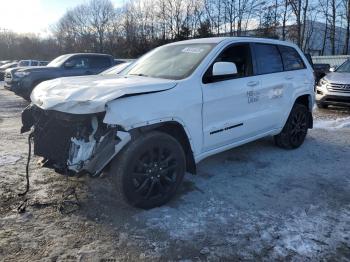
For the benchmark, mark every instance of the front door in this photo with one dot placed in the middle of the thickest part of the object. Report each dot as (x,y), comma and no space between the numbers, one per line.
(229,106)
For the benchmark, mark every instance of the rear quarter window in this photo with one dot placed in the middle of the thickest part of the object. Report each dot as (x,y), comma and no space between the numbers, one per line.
(268,59)
(291,58)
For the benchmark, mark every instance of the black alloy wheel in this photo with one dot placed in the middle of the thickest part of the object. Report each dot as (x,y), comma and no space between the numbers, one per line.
(149,170)
(294,131)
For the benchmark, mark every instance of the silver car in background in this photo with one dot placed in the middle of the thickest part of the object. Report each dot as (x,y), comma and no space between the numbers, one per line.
(334,88)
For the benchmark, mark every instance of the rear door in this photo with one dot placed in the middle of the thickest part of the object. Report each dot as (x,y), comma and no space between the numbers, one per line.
(274,82)
(296,74)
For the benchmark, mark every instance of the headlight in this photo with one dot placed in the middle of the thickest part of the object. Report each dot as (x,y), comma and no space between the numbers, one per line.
(323,82)
(21,74)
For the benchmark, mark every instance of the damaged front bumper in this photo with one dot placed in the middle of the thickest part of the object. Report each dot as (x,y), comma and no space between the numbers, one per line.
(73,143)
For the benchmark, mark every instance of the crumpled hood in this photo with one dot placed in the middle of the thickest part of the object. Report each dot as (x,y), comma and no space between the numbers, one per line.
(338,78)
(89,94)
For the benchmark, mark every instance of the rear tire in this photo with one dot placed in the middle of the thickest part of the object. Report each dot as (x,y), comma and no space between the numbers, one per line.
(148,172)
(294,131)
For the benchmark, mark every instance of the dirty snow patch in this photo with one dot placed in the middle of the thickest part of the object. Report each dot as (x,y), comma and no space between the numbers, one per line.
(333,124)
(9,159)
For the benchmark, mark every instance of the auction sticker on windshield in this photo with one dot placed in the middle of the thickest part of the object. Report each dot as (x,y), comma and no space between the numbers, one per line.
(193,50)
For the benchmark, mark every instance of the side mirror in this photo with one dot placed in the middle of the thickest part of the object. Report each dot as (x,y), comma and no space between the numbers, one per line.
(69,64)
(224,69)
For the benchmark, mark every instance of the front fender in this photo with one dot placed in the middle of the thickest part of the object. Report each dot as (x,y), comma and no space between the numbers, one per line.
(149,109)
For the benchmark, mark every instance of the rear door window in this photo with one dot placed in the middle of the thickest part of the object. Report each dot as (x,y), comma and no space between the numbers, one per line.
(291,58)
(99,62)
(268,59)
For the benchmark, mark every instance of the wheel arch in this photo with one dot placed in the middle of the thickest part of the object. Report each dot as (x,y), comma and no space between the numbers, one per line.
(306,100)
(176,130)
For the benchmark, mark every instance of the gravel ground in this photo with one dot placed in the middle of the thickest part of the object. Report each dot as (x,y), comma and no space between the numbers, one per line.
(255,202)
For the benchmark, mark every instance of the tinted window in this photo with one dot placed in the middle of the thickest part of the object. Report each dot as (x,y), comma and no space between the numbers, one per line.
(99,62)
(34,63)
(79,62)
(268,59)
(240,55)
(291,58)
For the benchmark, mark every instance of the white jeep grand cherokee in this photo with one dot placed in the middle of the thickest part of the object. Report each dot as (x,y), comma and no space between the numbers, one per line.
(175,106)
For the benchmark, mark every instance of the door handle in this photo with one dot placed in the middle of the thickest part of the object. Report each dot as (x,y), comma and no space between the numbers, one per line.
(253,83)
(289,77)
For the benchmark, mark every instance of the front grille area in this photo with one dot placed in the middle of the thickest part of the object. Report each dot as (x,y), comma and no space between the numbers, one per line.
(340,88)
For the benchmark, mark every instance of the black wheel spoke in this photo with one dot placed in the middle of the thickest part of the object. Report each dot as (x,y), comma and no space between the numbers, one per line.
(143,186)
(161,187)
(168,179)
(150,189)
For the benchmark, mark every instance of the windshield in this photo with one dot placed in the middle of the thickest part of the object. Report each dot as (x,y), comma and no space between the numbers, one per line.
(115,70)
(171,62)
(57,62)
(344,68)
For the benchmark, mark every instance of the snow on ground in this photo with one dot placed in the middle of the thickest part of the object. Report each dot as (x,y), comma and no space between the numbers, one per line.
(337,123)
(9,159)
(255,202)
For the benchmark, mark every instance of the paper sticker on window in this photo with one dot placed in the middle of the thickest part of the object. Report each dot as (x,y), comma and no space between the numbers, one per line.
(192,50)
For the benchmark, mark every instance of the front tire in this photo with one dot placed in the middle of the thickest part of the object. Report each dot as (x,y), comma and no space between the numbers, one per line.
(148,172)
(294,131)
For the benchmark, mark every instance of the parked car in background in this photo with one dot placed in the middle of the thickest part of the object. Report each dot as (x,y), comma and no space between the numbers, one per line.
(43,63)
(23,80)
(173,107)
(3,62)
(24,63)
(334,88)
(117,69)
(120,61)
(320,71)
(4,67)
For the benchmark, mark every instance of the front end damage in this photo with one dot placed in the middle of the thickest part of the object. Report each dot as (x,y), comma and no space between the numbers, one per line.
(73,143)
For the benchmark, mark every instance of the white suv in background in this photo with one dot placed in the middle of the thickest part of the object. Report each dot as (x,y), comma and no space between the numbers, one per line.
(334,88)
(24,63)
(173,107)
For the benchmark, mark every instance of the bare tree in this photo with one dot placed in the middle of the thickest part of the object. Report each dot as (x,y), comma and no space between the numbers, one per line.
(101,18)
(346,6)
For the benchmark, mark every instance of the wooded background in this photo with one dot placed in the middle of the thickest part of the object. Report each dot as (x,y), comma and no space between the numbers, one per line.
(140,25)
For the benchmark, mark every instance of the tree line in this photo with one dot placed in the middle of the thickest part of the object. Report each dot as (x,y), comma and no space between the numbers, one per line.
(140,25)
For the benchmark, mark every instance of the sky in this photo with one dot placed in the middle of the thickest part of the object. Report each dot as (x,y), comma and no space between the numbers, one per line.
(36,16)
